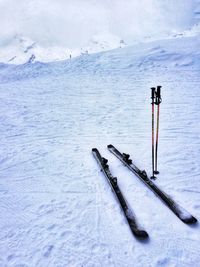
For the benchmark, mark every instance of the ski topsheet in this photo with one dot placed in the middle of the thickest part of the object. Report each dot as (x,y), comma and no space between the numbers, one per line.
(130,217)
(181,213)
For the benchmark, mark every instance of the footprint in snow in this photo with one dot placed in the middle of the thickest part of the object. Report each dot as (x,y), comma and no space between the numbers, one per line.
(163,262)
(48,251)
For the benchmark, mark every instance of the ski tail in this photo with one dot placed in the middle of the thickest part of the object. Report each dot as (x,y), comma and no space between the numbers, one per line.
(129,215)
(184,215)
(180,212)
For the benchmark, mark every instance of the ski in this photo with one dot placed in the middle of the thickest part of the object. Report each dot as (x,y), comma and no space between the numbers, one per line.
(180,212)
(130,217)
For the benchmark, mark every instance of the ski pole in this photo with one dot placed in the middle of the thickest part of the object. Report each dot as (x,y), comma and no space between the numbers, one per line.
(153,102)
(158,101)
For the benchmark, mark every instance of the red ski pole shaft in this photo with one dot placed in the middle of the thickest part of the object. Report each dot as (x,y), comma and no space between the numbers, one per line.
(157,102)
(152,139)
(153,101)
(157,133)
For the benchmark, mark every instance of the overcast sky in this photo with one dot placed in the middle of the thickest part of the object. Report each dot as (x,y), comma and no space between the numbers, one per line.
(72,23)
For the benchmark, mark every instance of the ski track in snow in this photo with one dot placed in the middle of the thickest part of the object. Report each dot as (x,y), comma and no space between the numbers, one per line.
(56,207)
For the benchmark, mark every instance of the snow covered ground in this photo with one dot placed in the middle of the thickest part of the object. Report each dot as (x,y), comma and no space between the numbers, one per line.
(56,207)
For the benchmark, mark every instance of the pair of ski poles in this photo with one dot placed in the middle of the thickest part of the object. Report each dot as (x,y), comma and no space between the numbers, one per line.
(156,100)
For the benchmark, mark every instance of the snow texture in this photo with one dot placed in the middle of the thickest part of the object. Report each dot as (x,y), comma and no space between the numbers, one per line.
(56,206)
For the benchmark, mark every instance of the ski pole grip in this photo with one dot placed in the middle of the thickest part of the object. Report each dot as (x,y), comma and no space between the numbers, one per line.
(153,94)
(159,91)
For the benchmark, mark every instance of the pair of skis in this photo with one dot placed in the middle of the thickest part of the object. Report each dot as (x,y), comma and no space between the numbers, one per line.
(181,213)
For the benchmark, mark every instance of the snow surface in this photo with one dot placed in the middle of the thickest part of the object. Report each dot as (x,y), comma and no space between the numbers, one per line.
(56,206)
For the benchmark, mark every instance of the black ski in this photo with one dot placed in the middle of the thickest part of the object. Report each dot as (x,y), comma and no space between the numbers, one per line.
(181,213)
(136,230)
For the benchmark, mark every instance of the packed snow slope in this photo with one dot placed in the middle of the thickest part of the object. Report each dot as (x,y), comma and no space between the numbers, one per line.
(56,206)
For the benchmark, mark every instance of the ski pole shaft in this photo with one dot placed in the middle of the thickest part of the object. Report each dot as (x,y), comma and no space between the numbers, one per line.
(157,133)
(157,102)
(153,101)
(152,140)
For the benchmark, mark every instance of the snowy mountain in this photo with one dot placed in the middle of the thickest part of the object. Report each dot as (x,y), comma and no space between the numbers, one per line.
(69,29)
(178,52)
(56,206)
(20,50)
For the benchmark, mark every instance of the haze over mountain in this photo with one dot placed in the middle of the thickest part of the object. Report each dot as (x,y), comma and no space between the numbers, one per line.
(48,30)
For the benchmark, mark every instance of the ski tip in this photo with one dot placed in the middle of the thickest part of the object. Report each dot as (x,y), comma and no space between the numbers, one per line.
(110,146)
(190,220)
(141,234)
(94,150)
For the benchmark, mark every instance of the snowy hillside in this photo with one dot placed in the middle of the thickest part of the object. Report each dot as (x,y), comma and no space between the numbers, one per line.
(56,206)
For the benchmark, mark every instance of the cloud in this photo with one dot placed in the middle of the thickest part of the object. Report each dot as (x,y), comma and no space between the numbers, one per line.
(72,23)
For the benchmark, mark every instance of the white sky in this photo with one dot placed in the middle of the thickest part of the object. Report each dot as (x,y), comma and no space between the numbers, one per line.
(72,23)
